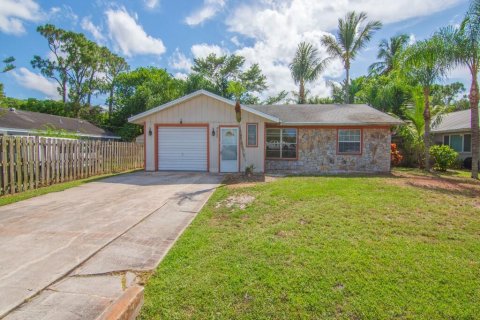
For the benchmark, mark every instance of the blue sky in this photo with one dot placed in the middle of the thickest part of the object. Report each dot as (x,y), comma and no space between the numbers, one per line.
(170,33)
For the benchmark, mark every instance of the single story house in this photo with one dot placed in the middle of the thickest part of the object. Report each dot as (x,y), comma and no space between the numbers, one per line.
(14,122)
(199,132)
(455,130)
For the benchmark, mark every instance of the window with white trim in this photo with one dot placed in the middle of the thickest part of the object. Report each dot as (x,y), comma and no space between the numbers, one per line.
(458,142)
(349,141)
(281,143)
(252,132)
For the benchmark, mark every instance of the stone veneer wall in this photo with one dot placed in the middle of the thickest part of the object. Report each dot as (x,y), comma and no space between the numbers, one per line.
(317,153)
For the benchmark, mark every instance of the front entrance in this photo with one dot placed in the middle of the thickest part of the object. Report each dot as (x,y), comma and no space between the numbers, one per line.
(229,149)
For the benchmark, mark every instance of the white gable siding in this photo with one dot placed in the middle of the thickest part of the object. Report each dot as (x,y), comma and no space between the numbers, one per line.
(206,110)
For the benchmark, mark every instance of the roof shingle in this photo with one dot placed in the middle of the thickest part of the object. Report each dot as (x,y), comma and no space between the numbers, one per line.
(33,121)
(328,114)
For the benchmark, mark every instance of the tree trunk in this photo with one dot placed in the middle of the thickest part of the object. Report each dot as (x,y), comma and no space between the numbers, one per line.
(110,103)
(474,122)
(64,90)
(347,86)
(301,93)
(427,118)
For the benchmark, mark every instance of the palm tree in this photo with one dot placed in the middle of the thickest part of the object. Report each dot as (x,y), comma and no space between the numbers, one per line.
(463,48)
(388,52)
(353,34)
(306,67)
(425,63)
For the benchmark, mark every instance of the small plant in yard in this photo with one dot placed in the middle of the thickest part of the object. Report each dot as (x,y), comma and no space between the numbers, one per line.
(249,170)
(395,156)
(444,157)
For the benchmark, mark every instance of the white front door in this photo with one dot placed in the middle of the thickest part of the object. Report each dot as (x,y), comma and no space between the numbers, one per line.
(228,149)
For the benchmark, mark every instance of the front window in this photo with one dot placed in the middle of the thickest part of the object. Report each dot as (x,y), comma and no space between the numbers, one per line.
(281,143)
(349,141)
(252,131)
(459,142)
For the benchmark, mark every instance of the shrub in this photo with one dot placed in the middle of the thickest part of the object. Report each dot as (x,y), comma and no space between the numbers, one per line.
(395,156)
(444,157)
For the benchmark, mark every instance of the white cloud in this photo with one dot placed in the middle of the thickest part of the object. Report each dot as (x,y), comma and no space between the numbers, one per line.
(277,26)
(129,36)
(151,4)
(37,82)
(209,9)
(96,32)
(202,50)
(14,13)
(179,61)
(180,75)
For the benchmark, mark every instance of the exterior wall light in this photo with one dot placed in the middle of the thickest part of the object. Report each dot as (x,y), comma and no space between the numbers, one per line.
(213,132)
(150,131)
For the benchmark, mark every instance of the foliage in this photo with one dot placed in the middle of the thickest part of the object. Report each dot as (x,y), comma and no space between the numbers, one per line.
(463,49)
(389,51)
(140,90)
(424,64)
(80,67)
(276,99)
(53,132)
(306,67)
(343,247)
(444,157)
(214,73)
(395,155)
(354,32)
(9,66)
(338,90)
(446,95)
(386,92)
(249,169)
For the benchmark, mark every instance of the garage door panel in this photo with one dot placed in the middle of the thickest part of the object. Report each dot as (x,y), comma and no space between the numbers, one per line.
(182,148)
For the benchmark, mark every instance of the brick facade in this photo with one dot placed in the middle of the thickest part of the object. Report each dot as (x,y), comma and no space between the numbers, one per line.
(317,153)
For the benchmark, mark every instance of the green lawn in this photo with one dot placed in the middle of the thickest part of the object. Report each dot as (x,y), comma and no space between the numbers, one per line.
(401,247)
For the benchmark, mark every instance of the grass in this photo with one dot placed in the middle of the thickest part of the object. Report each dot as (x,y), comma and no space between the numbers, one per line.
(327,248)
(8,199)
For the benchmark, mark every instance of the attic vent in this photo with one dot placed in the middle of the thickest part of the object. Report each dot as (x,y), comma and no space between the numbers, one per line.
(81,121)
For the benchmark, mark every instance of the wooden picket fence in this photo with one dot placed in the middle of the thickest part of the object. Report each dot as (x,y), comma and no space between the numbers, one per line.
(28,163)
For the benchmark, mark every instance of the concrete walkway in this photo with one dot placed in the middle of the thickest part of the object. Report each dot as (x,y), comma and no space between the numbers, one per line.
(77,251)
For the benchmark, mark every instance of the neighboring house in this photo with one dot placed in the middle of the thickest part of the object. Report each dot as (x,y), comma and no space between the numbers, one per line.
(455,130)
(199,132)
(27,123)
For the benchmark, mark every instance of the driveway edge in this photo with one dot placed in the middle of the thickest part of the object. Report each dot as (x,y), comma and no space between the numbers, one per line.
(126,307)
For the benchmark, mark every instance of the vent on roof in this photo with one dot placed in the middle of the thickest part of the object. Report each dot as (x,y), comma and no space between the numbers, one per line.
(12,109)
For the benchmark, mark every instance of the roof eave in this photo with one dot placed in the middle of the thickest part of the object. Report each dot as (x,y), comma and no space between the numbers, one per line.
(325,124)
(136,118)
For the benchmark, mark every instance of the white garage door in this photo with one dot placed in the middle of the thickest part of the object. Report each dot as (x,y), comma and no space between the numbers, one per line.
(182,148)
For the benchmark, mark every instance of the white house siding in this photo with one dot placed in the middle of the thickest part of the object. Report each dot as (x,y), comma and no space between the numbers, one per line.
(205,110)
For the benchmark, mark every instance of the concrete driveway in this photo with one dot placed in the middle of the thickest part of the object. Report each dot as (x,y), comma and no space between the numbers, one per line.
(77,250)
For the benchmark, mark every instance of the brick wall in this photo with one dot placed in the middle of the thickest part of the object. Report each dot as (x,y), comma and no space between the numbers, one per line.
(317,153)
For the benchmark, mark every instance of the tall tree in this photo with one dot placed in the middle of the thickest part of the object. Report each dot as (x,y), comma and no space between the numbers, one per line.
(216,72)
(114,66)
(306,67)
(353,34)
(464,49)
(425,64)
(388,53)
(57,67)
